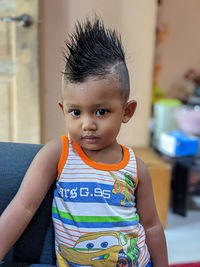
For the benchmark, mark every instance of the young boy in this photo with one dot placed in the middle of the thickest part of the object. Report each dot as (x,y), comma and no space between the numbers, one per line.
(103,209)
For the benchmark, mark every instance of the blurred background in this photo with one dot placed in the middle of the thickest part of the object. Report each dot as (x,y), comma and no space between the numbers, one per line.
(162,41)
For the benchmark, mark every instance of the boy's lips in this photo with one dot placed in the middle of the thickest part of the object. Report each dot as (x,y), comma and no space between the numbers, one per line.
(90,138)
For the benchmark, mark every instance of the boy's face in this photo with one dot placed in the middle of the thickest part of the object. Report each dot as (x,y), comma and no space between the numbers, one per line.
(94,111)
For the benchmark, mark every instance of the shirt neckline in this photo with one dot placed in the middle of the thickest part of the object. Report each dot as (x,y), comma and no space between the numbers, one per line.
(103,166)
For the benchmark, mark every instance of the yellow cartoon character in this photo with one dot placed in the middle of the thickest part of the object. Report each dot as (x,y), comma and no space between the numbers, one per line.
(101,249)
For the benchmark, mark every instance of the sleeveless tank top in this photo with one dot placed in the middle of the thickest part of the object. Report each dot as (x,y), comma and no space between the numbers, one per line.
(94,211)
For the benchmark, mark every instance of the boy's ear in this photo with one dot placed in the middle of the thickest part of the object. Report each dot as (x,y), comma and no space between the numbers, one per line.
(129,110)
(60,105)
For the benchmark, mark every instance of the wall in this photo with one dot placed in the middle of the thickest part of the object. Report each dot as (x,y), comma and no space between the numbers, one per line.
(180,50)
(135,20)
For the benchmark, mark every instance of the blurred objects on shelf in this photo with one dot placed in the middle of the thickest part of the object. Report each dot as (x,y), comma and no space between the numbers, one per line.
(178,144)
(194,100)
(164,120)
(193,76)
(157,93)
(188,119)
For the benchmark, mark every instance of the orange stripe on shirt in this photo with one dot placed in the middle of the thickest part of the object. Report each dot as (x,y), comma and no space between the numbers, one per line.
(61,241)
(85,178)
(144,254)
(64,154)
(142,241)
(65,232)
(82,232)
(64,237)
(87,173)
(146,261)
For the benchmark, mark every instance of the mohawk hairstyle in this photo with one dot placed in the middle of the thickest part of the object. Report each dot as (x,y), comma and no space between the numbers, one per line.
(93,50)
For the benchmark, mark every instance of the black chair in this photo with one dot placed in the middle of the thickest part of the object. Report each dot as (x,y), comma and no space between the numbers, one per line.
(36,245)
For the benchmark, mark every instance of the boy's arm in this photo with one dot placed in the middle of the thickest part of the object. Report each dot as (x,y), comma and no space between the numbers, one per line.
(155,238)
(36,183)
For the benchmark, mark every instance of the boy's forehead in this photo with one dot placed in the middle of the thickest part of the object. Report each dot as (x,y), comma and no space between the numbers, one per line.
(107,81)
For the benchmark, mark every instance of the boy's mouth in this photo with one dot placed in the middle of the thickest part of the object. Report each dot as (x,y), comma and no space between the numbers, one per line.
(90,138)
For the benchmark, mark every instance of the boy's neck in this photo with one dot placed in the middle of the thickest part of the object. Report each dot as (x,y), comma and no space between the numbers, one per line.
(108,155)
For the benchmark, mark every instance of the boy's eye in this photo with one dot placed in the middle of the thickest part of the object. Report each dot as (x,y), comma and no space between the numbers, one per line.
(75,112)
(101,112)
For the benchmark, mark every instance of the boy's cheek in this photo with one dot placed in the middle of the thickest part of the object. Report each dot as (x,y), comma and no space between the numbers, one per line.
(72,126)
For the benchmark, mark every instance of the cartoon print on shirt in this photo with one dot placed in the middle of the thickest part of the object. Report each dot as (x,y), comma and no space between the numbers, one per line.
(125,188)
(108,248)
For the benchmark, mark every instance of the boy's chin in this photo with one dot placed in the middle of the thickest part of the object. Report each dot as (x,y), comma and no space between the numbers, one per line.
(91,147)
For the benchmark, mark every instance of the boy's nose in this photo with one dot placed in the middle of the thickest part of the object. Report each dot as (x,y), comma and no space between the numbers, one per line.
(88,124)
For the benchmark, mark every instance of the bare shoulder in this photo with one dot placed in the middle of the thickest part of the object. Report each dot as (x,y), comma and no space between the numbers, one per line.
(46,161)
(52,150)
(143,172)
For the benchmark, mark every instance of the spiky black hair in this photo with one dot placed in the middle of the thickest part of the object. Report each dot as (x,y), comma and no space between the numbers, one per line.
(93,50)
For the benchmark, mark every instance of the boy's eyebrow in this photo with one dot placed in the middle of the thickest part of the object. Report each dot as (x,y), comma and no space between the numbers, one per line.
(100,105)
(72,106)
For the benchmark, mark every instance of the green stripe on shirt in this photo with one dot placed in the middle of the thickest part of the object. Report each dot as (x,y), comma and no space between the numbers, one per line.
(91,219)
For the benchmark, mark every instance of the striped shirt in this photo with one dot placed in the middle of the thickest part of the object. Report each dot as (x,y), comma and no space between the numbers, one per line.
(94,211)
